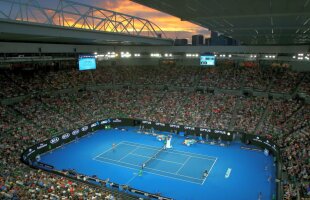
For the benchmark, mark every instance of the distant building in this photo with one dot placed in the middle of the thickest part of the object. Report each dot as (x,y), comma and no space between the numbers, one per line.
(207,41)
(197,40)
(217,39)
(180,42)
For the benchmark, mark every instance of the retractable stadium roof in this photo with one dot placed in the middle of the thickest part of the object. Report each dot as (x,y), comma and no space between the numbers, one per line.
(256,22)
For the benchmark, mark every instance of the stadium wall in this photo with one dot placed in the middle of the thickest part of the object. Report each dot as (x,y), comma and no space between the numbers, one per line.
(300,66)
(19,47)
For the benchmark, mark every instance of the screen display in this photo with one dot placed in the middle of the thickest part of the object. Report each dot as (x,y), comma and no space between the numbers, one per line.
(208,60)
(87,62)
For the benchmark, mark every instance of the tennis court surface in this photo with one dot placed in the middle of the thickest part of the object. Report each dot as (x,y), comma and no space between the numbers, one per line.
(233,173)
(163,162)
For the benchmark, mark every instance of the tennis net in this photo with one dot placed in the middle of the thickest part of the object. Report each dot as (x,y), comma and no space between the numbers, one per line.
(152,158)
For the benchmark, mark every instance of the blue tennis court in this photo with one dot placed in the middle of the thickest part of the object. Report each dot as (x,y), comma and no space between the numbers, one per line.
(234,173)
(169,163)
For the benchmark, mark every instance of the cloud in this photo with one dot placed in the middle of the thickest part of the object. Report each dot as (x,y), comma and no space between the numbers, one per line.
(173,26)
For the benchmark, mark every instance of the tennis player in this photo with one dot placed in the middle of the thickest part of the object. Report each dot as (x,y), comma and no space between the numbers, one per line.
(205,173)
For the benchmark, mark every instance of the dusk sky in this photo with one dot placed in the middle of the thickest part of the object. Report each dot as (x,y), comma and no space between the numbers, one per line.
(173,26)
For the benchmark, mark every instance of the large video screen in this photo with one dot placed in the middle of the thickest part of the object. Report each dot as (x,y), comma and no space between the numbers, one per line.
(87,62)
(207,60)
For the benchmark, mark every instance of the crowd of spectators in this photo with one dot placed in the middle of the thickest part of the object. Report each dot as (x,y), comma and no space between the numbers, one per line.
(65,99)
(228,75)
(17,181)
(295,156)
(250,112)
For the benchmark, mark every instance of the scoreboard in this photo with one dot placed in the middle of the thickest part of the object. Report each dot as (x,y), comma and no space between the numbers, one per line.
(87,62)
(207,60)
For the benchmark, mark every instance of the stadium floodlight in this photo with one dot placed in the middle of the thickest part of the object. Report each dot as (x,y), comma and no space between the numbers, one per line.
(95,53)
(229,55)
(300,54)
(156,55)
(294,57)
(307,58)
(266,56)
(137,55)
(111,55)
(125,55)
(168,54)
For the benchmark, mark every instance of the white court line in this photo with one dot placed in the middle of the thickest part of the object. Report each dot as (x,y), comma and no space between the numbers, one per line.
(146,172)
(122,142)
(151,169)
(174,151)
(132,178)
(183,165)
(209,172)
(107,150)
(128,154)
(184,152)
(156,158)
(137,145)
(141,145)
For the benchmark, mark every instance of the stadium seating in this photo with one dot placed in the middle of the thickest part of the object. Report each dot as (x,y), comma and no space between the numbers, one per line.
(52,101)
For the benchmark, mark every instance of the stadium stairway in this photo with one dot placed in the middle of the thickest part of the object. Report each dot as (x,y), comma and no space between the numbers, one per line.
(296,89)
(262,119)
(233,118)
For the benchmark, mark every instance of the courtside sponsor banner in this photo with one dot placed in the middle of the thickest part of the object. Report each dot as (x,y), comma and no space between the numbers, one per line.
(146,122)
(84,128)
(270,145)
(30,151)
(220,132)
(160,124)
(189,128)
(65,136)
(41,145)
(94,125)
(174,126)
(205,130)
(105,122)
(75,132)
(257,139)
(54,140)
(117,120)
